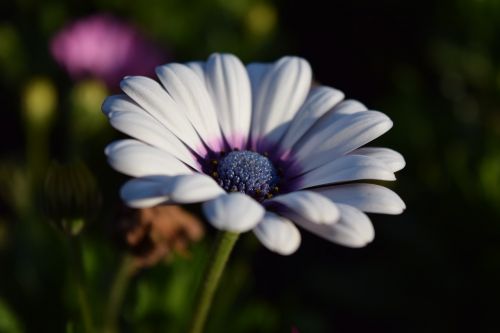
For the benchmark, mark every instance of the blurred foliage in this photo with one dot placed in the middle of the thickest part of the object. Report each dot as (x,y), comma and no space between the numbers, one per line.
(433,67)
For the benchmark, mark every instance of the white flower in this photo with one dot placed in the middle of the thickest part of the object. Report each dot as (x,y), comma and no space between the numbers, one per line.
(258,145)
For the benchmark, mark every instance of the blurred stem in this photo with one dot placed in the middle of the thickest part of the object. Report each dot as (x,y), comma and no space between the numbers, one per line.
(37,150)
(218,258)
(117,294)
(79,278)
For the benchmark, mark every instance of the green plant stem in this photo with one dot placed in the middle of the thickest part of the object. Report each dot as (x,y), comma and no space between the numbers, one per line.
(37,152)
(78,275)
(218,258)
(117,294)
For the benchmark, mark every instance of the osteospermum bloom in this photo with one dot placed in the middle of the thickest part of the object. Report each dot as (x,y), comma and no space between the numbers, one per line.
(104,47)
(262,148)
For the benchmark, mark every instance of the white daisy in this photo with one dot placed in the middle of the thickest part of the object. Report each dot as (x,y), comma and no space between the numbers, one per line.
(258,145)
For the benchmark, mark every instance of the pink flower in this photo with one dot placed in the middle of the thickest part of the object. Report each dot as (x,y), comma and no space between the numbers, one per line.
(106,48)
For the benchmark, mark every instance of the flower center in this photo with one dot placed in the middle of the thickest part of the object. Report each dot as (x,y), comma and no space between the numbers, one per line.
(247,172)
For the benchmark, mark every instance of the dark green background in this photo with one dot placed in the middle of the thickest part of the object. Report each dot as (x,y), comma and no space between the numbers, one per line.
(432,66)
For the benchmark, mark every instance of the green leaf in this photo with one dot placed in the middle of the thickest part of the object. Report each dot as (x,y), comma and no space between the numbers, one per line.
(8,321)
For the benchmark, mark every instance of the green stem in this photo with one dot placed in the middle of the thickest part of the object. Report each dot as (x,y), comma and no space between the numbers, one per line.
(218,259)
(37,151)
(78,274)
(117,294)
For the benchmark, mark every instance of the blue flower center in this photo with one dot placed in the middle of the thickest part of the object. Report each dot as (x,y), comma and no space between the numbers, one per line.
(247,172)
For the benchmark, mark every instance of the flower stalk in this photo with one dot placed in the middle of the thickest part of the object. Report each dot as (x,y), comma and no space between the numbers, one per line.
(78,276)
(117,294)
(218,258)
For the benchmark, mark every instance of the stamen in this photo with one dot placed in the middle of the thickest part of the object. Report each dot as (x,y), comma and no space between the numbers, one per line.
(247,172)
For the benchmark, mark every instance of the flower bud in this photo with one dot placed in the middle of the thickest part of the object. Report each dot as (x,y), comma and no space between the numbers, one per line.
(86,99)
(39,102)
(71,196)
(261,19)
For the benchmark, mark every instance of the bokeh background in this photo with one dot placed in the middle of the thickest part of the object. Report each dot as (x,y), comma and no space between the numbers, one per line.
(432,66)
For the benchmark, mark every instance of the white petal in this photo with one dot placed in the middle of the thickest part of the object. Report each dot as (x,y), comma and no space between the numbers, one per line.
(189,92)
(338,135)
(278,234)
(131,119)
(151,190)
(151,96)
(137,159)
(198,67)
(192,188)
(346,168)
(235,212)
(349,106)
(120,103)
(369,198)
(391,158)
(256,73)
(354,228)
(318,102)
(277,95)
(306,205)
(145,191)
(229,86)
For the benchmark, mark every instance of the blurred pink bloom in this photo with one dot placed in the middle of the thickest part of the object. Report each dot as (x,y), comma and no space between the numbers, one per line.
(294,329)
(106,48)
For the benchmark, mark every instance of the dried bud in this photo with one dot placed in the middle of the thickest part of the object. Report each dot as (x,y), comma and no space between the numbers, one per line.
(71,196)
(155,233)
